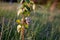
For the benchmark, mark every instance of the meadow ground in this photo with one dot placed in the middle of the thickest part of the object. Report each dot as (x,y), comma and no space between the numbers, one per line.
(41,28)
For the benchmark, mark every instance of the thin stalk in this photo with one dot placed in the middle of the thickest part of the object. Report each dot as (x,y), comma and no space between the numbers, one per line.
(22,33)
(23,28)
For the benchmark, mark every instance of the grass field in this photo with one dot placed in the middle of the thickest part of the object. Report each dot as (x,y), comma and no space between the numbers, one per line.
(41,28)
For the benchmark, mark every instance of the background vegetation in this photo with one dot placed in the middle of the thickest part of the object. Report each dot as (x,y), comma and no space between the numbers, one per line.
(41,27)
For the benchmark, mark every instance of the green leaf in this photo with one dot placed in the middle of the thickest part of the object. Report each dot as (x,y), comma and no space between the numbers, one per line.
(28,8)
(26,13)
(25,5)
(27,1)
(26,26)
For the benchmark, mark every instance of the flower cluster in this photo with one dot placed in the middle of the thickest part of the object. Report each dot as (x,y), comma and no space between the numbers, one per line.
(26,6)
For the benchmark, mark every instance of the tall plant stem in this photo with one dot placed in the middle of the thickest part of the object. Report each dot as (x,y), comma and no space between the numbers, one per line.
(23,28)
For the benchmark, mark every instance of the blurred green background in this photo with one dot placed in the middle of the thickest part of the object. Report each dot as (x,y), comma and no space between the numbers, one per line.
(45,25)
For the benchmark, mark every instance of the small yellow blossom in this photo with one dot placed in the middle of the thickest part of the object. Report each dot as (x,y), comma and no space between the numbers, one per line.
(19,12)
(33,6)
(18,21)
(19,28)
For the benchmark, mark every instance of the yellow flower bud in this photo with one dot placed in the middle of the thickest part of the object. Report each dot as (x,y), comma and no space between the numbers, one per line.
(33,6)
(19,28)
(19,12)
(18,21)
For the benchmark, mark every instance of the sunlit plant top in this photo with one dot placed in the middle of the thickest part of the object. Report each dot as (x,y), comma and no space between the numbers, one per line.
(24,9)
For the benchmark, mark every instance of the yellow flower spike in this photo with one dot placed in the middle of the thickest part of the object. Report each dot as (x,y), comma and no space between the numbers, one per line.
(19,28)
(18,21)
